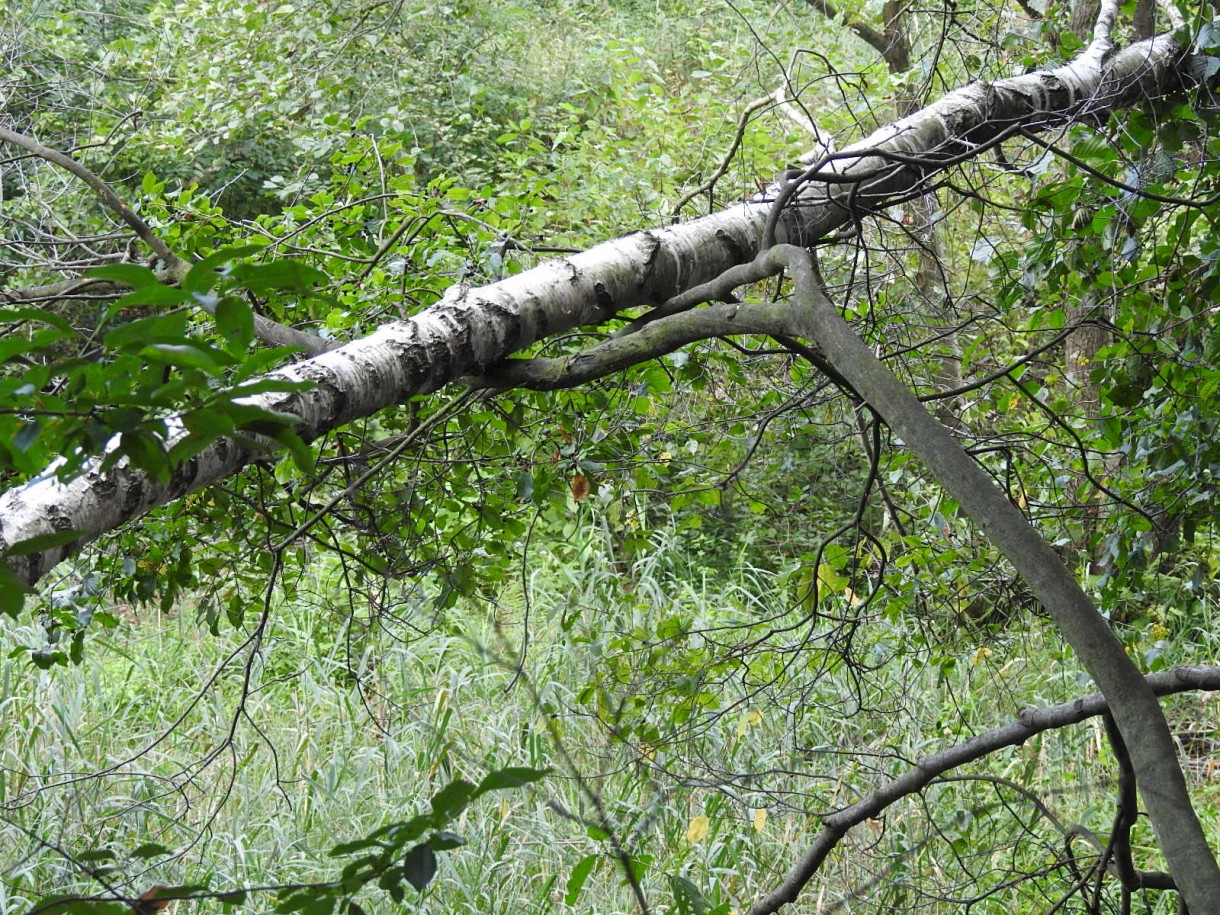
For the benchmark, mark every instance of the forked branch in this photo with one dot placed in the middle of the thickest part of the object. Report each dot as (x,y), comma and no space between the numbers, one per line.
(931,768)
(1132,701)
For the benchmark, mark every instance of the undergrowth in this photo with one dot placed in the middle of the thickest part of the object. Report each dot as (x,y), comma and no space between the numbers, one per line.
(666,741)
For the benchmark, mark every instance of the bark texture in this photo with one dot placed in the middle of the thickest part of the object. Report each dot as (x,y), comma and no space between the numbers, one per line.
(1133,703)
(471,330)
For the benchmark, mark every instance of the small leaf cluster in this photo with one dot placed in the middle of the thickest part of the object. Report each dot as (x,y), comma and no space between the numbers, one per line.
(402,853)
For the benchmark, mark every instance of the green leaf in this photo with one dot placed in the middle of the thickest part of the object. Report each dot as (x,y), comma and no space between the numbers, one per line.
(45,658)
(145,331)
(43,542)
(26,436)
(208,424)
(323,905)
(401,833)
(687,898)
(146,452)
(513,777)
(235,320)
(315,900)
(658,378)
(580,874)
(167,296)
(419,866)
(391,882)
(279,276)
(253,418)
(18,314)
(260,360)
(150,850)
(184,356)
(348,848)
(1203,67)
(132,275)
(264,385)
(445,841)
(203,275)
(97,854)
(300,452)
(74,905)
(452,800)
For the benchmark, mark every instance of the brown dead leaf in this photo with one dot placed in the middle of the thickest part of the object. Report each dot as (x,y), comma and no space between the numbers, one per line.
(580,488)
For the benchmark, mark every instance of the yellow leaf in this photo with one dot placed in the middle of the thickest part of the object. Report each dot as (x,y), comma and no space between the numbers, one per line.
(760,819)
(697,830)
(747,721)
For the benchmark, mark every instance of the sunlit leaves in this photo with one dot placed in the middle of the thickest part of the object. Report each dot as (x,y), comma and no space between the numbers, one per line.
(697,829)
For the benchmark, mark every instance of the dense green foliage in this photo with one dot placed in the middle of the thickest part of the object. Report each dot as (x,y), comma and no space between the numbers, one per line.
(708,598)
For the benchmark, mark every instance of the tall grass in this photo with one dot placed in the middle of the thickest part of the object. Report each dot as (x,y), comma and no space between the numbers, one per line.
(352,723)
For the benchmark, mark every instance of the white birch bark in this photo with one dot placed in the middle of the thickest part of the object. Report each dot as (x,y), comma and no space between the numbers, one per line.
(469,331)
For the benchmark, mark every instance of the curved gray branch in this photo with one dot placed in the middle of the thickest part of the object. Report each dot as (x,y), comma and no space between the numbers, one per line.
(653,340)
(1132,702)
(928,769)
(173,262)
(268,331)
(470,330)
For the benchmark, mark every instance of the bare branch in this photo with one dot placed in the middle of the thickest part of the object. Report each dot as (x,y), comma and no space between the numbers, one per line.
(864,31)
(928,769)
(1172,13)
(173,262)
(725,160)
(268,331)
(50,292)
(650,342)
(1103,30)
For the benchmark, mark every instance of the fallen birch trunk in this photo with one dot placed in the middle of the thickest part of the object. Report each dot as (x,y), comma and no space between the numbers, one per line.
(470,330)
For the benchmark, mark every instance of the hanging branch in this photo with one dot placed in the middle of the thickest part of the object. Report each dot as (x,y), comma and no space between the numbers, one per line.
(175,269)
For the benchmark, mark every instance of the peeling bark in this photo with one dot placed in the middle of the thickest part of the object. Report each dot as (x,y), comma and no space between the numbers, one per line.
(470,330)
